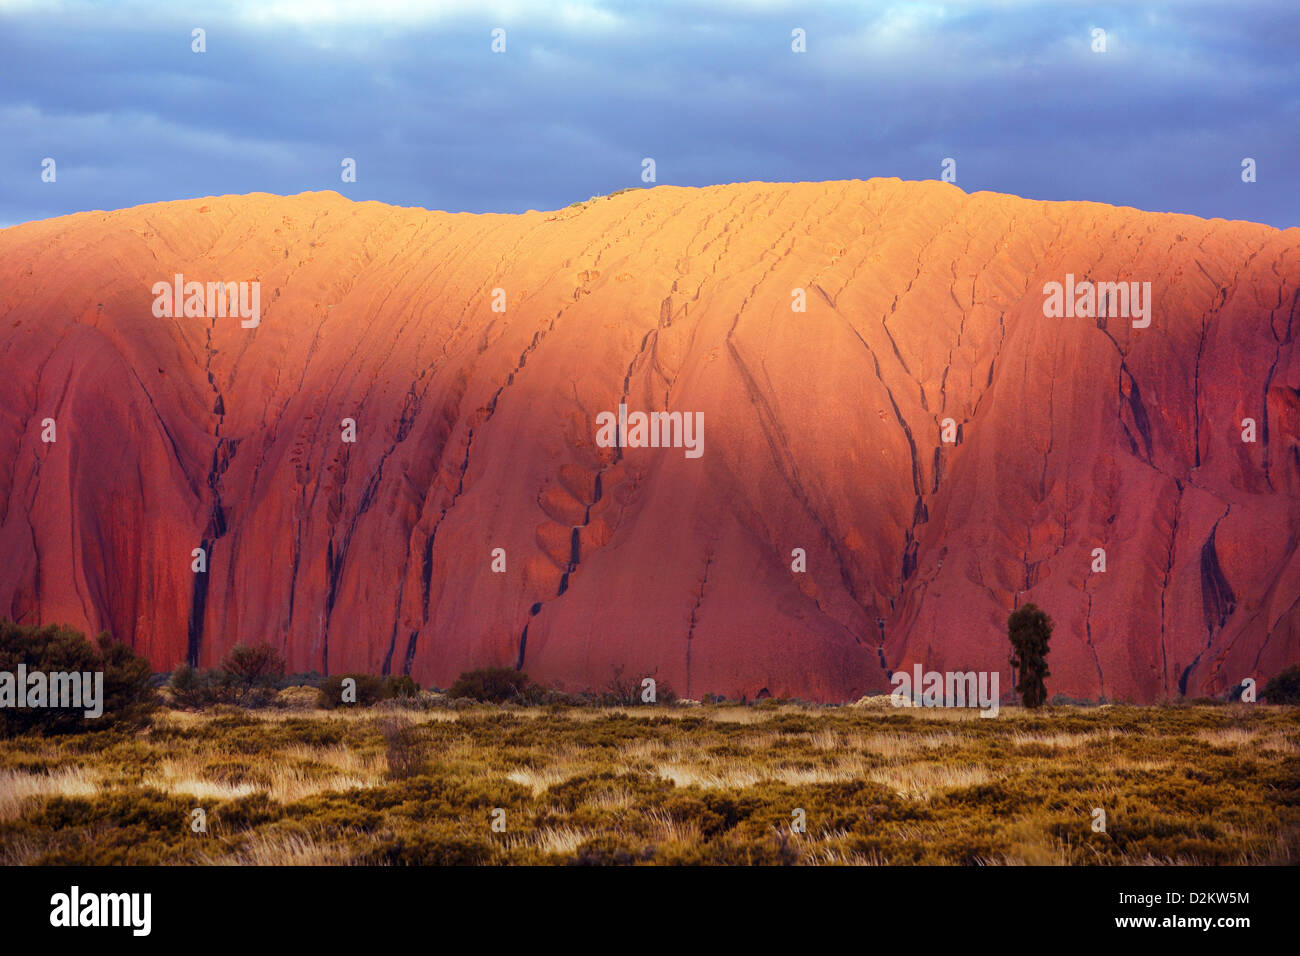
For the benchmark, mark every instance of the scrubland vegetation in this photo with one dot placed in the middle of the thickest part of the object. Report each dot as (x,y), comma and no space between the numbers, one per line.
(231,766)
(416,780)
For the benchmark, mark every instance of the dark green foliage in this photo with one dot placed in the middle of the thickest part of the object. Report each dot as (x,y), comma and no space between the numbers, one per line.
(402,686)
(192,688)
(247,677)
(1030,629)
(370,689)
(250,673)
(1284,688)
(243,813)
(128,697)
(490,684)
(430,847)
(610,851)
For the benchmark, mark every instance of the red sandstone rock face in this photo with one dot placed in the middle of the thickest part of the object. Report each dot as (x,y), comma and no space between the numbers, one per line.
(476,430)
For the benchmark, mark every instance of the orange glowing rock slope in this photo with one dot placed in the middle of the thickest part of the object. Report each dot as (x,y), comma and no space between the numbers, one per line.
(475,430)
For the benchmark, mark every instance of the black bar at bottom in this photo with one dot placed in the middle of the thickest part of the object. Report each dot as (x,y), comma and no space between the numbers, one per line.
(644,907)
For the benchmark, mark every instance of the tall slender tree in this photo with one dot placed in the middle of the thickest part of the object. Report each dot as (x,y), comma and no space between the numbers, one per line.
(1030,629)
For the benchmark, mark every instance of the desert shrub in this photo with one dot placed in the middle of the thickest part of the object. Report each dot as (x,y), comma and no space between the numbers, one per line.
(713,813)
(128,697)
(250,673)
(431,847)
(230,717)
(535,695)
(243,813)
(369,689)
(401,685)
(148,808)
(664,693)
(494,685)
(297,698)
(776,849)
(610,850)
(1284,688)
(623,691)
(192,688)
(403,748)
(184,683)
(314,732)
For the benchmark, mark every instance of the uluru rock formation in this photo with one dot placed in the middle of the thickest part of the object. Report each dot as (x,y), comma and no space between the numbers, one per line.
(475,353)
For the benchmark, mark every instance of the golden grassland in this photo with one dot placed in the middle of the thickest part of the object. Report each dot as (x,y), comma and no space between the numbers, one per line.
(417,782)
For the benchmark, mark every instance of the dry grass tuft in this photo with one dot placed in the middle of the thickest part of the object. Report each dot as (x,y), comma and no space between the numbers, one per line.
(18,787)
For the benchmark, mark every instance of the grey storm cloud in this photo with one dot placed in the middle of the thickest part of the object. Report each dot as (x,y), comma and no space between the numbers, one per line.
(586,89)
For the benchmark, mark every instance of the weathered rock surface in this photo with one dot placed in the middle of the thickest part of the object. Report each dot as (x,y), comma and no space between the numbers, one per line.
(476,430)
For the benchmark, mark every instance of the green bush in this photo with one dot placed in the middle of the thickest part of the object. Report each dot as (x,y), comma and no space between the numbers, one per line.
(491,685)
(250,674)
(401,685)
(1284,688)
(370,689)
(192,688)
(128,699)
(248,677)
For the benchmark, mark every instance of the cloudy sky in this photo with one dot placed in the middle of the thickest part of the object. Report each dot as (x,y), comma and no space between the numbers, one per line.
(585,90)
